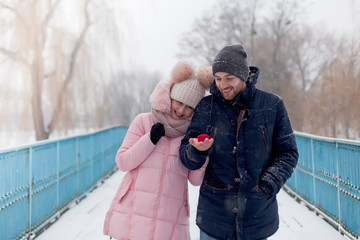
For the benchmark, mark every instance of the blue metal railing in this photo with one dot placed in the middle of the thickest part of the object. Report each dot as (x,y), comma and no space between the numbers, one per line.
(40,181)
(327,177)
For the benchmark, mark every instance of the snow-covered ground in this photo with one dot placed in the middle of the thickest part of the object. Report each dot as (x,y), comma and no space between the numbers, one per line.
(84,221)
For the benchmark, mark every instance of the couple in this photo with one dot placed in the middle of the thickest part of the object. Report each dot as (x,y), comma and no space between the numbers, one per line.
(241,167)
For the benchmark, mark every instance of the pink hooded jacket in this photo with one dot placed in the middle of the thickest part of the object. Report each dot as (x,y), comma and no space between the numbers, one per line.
(152,200)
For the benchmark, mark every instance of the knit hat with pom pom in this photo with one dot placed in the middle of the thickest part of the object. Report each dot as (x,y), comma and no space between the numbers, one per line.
(189,87)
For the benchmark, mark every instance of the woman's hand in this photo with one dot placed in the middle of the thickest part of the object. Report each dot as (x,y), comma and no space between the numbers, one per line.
(157,131)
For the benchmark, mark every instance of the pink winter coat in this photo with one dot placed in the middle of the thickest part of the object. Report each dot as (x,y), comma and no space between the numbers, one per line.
(152,200)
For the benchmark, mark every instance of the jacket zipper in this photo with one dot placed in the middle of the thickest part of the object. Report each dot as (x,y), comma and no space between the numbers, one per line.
(265,143)
(161,189)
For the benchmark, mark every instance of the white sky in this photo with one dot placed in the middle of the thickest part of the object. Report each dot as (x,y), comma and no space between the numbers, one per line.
(338,15)
(158,24)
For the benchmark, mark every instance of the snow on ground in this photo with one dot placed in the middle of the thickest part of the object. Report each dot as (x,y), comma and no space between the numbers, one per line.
(84,221)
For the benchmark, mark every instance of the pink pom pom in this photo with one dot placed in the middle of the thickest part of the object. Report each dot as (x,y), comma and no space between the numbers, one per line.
(205,76)
(182,71)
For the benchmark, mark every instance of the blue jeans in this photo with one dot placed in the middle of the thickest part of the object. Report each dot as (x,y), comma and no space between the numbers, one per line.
(204,236)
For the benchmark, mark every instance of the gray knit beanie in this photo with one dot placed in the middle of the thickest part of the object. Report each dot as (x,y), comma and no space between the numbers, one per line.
(232,59)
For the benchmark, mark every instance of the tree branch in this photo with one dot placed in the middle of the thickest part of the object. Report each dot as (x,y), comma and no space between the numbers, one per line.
(13,56)
(50,12)
(48,17)
(9,53)
(11,9)
(59,101)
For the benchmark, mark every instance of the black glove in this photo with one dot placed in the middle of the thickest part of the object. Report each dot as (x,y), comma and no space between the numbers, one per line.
(157,131)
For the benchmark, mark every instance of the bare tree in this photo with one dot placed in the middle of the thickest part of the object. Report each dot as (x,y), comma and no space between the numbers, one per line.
(295,61)
(338,110)
(232,22)
(34,26)
(266,40)
(57,58)
(274,43)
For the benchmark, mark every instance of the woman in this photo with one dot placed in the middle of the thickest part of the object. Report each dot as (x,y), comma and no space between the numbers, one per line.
(152,200)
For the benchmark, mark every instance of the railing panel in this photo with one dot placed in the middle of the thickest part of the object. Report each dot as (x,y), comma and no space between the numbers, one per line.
(305,152)
(38,182)
(327,198)
(331,183)
(43,179)
(110,148)
(349,179)
(85,179)
(305,184)
(325,164)
(303,177)
(14,193)
(67,171)
(97,166)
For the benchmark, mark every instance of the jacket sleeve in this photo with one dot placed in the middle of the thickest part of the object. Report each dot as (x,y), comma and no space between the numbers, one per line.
(284,154)
(136,146)
(196,176)
(190,156)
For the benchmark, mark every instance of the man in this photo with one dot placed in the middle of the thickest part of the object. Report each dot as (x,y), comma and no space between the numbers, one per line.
(252,152)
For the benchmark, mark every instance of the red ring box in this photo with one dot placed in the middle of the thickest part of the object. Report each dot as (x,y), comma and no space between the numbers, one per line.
(202,137)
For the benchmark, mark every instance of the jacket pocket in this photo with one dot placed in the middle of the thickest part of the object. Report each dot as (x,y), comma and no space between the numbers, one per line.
(125,189)
(256,192)
(217,187)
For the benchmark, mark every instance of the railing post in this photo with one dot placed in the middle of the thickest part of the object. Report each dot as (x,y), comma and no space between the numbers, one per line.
(57,173)
(30,186)
(77,167)
(313,169)
(103,163)
(92,159)
(338,183)
(295,176)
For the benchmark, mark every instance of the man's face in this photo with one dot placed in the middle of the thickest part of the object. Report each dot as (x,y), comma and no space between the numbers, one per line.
(229,85)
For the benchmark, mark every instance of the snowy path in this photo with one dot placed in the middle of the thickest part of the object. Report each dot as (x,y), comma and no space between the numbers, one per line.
(84,221)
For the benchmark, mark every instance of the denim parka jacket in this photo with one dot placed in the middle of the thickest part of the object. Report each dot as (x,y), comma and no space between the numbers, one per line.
(253,154)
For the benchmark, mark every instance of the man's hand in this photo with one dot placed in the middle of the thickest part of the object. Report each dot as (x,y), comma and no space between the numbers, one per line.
(201,146)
